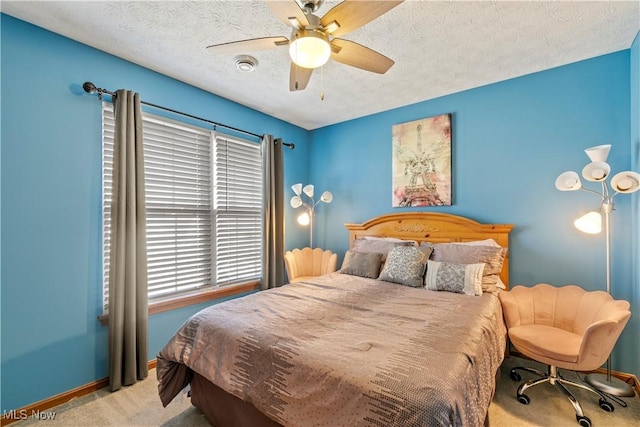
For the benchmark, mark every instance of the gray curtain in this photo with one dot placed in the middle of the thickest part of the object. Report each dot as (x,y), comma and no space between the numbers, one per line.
(273,193)
(128,312)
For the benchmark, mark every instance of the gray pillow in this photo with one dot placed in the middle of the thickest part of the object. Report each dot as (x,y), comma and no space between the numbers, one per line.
(362,264)
(406,265)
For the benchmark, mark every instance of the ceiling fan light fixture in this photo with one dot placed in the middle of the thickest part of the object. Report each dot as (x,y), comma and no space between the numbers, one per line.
(309,49)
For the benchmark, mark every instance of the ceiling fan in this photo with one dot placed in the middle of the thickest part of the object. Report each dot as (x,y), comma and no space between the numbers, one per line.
(314,40)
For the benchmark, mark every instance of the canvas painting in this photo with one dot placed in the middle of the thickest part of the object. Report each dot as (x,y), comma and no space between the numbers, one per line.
(422,162)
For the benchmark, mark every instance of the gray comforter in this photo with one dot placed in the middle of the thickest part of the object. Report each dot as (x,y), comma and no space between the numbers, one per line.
(342,350)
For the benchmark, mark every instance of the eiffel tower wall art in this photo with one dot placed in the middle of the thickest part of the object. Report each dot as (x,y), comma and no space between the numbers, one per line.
(421,167)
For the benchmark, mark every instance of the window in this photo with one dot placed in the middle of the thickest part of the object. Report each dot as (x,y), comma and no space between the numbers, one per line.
(238,210)
(204,207)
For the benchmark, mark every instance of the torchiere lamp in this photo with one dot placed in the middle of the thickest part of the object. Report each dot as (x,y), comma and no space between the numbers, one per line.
(310,205)
(622,183)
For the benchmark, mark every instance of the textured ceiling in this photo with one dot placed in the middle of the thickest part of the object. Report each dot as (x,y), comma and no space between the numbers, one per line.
(439,47)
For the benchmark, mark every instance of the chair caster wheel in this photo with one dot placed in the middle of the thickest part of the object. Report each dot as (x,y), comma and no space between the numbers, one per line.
(515,376)
(583,421)
(524,399)
(605,406)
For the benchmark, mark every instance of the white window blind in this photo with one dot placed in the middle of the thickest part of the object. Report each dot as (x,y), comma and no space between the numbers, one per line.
(238,209)
(190,245)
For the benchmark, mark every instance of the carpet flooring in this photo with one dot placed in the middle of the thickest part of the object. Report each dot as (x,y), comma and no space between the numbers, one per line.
(139,405)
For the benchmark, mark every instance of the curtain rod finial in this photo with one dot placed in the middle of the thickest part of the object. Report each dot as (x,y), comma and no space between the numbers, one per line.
(89,87)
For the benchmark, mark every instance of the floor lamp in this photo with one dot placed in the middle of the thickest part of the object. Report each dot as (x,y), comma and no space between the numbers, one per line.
(310,205)
(622,183)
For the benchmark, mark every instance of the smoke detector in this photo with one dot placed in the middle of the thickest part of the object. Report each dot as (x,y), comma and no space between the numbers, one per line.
(246,63)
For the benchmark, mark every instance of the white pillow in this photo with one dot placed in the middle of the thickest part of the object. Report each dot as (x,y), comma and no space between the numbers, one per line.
(378,245)
(392,239)
(486,242)
(453,277)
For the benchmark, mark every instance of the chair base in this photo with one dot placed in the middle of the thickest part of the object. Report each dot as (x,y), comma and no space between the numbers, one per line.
(553,377)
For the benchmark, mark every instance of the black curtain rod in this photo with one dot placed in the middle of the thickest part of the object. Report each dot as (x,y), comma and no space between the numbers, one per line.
(91,88)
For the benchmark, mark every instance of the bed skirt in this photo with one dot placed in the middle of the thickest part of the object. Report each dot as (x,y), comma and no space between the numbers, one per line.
(223,409)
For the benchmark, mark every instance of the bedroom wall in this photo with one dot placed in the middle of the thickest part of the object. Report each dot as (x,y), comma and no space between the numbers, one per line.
(510,141)
(635,165)
(51,204)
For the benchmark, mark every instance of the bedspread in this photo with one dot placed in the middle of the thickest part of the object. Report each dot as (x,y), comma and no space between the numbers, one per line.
(341,350)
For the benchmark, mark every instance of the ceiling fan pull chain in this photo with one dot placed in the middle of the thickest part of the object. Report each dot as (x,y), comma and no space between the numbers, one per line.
(321,83)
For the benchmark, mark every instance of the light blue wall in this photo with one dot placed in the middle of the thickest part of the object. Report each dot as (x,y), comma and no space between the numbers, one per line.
(51,204)
(510,142)
(635,211)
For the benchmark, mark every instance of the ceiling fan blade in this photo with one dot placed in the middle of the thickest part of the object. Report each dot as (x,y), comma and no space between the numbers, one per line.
(356,55)
(299,77)
(351,15)
(261,43)
(285,10)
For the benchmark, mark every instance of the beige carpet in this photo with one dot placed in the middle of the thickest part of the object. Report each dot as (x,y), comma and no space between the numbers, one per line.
(139,405)
(549,406)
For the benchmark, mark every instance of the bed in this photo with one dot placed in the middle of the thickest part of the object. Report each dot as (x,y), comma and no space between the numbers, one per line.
(348,350)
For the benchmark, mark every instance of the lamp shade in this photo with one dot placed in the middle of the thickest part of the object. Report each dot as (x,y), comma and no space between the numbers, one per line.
(297,188)
(590,223)
(309,49)
(596,171)
(304,218)
(296,202)
(308,190)
(568,181)
(599,153)
(326,197)
(626,182)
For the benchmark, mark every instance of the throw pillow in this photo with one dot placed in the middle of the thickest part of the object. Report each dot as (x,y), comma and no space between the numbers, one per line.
(362,264)
(492,256)
(452,277)
(405,265)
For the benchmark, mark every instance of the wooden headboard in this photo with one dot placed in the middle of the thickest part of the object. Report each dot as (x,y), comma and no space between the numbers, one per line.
(433,227)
